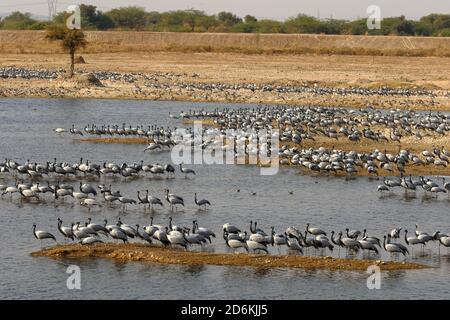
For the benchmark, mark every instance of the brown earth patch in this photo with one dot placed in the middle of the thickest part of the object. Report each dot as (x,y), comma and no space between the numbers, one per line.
(154,254)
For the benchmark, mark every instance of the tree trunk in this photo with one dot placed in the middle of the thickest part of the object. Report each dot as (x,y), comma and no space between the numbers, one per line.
(72,63)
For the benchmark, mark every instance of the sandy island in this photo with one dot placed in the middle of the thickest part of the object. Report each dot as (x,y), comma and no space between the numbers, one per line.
(364,145)
(154,254)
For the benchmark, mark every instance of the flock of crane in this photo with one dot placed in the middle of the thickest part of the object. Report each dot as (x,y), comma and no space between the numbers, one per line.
(86,193)
(254,241)
(300,124)
(87,169)
(293,128)
(408,184)
(297,126)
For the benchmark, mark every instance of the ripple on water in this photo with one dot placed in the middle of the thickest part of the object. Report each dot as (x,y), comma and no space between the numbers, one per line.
(332,204)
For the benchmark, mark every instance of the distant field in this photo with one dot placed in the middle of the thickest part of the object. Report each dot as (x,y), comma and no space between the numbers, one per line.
(116,41)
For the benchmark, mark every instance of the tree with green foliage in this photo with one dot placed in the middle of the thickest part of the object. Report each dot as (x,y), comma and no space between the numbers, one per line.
(332,26)
(191,20)
(356,27)
(206,23)
(91,18)
(128,18)
(443,32)
(153,18)
(71,41)
(405,28)
(269,26)
(302,24)
(18,21)
(423,29)
(242,27)
(250,19)
(228,19)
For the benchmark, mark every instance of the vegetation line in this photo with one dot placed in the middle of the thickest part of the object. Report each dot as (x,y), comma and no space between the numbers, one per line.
(135,18)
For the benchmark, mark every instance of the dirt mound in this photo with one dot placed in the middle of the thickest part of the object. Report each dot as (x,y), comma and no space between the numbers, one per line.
(155,254)
(89,79)
(79,81)
(80,60)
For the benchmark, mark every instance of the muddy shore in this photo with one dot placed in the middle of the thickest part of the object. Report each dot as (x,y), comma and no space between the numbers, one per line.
(168,76)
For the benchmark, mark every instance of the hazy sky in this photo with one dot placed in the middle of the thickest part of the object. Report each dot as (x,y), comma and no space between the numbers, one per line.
(273,9)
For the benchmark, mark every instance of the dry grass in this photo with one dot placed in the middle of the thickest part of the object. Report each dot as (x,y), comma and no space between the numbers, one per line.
(117,41)
(153,254)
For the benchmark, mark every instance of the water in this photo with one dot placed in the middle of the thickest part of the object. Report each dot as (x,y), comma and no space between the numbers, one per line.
(329,203)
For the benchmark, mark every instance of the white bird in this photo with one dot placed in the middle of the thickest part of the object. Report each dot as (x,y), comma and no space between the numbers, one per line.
(62,193)
(259,238)
(230,228)
(315,231)
(279,239)
(445,241)
(174,200)
(425,237)
(161,236)
(368,245)
(65,231)
(154,200)
(89,203)
(41,235)
(97,227)
(127,229)
(90,240)
(411,241)
(353,234)
(79,195)
(382,188)
(117,233)
(207,233)
(152,146)
(202,202)
(394,248)
(419,232)
(186,171)
(83,232)
(349,243)
(256,246)
(177,238)
(236,244)
(28,194)
(194,238)
(79,234)
(293,244)
(144,236)
(395,233)
(109,198)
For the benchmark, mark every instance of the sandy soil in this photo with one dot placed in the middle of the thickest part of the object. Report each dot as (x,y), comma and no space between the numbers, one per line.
(153,254)
(325,70)
(279,69)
